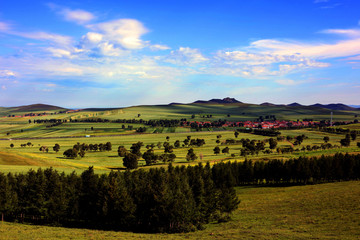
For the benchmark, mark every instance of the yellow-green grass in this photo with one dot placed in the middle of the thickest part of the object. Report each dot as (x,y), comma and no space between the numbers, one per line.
(324,211)
(355,126)
(31,157)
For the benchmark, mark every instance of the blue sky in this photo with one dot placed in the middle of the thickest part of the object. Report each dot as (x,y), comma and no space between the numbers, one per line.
(122,53)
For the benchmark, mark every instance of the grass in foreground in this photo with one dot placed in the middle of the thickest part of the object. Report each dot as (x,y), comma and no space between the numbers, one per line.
(324,211)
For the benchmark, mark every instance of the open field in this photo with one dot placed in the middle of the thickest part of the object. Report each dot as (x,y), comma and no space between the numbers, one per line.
(24,158)
(324,211)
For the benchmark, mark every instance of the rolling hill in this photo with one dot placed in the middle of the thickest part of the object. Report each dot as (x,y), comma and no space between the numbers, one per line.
(227,108)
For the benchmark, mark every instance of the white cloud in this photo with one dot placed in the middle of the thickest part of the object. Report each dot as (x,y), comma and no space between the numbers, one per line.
(186,56)
(79,16)
(7,73)
(108,49)
(286,82)
(43,36)
(126,32)
(346,32)
(157,47)
(92,38)
(57,52)
(341,48)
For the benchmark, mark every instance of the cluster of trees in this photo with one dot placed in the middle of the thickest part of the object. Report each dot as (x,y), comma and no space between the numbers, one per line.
(29,144)
(251,147)
(193,142)
(80,149)
(131,158)
(224,150)
(302,170)
(48,120)
(323,146)
(178,199)
(348,137)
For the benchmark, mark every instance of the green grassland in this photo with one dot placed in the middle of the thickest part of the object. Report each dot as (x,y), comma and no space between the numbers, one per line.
(18,130)
(238,112)
(19,127)
(355,126)
(324,211)
(24,158)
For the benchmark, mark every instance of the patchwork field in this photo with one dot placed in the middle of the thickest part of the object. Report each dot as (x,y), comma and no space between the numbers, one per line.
(23,158)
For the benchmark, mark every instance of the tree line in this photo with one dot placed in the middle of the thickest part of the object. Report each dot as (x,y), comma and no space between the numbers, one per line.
(178,199)
(302,170)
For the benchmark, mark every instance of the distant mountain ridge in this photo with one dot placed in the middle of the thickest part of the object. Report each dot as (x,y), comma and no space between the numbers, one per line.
(227,100)
(335,106)
(219,101)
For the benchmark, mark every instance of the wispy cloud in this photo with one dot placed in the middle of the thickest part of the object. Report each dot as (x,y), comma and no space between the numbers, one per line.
(345,32)
(186,56)
(286,82)
(157,47)
(320,1)
(7,73)
(4,26)
(341,48)
(78,16)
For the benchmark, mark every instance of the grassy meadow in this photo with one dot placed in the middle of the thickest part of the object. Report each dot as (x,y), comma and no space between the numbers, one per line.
(24,158)
(324,211)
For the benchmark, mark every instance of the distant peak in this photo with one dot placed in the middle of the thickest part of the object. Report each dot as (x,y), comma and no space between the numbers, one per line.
(295,104)
(267,104)
(220,101)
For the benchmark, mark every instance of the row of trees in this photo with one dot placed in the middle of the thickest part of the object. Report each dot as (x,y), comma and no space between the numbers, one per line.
(80,149)
(174,200)
(302,170)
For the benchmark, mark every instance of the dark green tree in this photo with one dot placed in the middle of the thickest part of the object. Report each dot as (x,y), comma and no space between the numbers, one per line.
(71,153)
(122,151)
(56,148)
(149,157)
(273,143)
(191,156)
(225,150)
(353,135)
(216,150)
(130,161)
